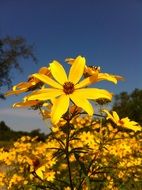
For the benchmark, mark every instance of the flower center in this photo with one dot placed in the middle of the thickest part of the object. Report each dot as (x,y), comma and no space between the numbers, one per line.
(68,87)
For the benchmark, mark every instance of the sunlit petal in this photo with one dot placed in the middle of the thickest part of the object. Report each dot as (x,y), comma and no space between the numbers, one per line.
(108,77)
(93,93)
(109,116)
(77,69)
(133,125)
(59,107)
(39,172)
(82,102)
(44,94)
(58,72)
(47,80)
(87,81)
(115,116)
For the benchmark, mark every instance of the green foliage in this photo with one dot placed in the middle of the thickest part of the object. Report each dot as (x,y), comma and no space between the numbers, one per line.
(129,105)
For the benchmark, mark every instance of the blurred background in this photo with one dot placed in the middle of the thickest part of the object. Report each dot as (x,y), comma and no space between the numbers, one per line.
(108,33)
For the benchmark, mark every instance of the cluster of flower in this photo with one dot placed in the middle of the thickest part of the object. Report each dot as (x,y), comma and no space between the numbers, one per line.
(109,157)
(82,151)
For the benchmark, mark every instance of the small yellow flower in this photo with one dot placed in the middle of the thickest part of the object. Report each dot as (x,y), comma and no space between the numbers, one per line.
(50,175)
(2,177)
(87,138)
(40,171)
(68,88)
(124,122)
(15,180)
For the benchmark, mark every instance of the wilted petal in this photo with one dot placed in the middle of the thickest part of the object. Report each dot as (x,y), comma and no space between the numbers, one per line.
(26,103)
(15,92)
(22,85)
(59,107)
(45,70)
(82,102)
(58,72)
(77,69)
(47,80)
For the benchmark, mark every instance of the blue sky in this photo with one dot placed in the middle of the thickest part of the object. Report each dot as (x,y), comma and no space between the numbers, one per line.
(107,32)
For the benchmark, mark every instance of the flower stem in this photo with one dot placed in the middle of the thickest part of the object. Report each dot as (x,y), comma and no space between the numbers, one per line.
(67,155)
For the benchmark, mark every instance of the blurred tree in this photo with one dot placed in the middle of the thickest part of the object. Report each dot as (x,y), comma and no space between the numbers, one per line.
(11,50)
(4,127)
(37,133)
(129,105)
(9,135)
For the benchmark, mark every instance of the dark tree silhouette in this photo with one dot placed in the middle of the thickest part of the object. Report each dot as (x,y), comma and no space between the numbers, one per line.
(129,105)
(11,50)
(9,135)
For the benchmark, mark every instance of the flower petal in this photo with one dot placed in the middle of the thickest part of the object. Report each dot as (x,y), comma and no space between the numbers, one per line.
(109,116)
(44,70)
(22,85)
(77,69)
(15,92)
(44,94)
(59,107)
(26,103)
(108,77)
(133,125)
(69,60)
(93,93)
(47,80)
(87,81)
(82,102)
(40,171)
(115,116)
(58,72)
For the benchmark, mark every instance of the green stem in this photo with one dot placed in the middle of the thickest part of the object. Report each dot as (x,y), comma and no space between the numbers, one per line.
(67,155)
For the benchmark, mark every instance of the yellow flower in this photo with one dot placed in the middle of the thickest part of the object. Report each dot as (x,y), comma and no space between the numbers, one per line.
(40,171)
(87,138)
(50,175)
(15,180)
(95,71)
(124,122)
(31,84)
(2,178)
(66,88)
